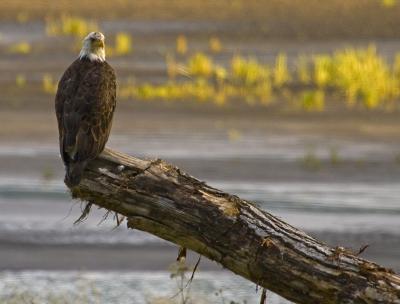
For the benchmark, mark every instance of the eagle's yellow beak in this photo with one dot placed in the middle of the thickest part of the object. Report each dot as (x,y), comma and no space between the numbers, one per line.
(98,44)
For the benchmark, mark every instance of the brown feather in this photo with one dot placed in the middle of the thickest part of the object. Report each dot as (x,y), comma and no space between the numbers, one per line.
(84,103)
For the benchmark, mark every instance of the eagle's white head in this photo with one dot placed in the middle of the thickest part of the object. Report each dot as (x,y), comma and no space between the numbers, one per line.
(93,47)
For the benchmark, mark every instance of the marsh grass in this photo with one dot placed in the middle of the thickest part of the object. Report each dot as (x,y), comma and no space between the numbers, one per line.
(123,45)
(20,80)
(49,85)
(200,65)
(215,45)
(365,77)
(313,100)
(248,72)
(359,77)
(22,47)
(181,45)
(323,70)
(281,74)
(78,28)
(303,70)
(67,25)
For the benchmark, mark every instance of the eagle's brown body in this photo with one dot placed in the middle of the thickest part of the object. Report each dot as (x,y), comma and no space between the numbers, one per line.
(85,103)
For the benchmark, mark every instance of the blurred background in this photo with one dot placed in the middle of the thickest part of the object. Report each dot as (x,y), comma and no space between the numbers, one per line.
(293,104)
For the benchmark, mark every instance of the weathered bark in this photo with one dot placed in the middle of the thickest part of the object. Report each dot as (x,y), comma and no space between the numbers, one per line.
(160,199)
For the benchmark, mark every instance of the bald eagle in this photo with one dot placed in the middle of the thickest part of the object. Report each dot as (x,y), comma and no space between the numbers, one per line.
(85,103)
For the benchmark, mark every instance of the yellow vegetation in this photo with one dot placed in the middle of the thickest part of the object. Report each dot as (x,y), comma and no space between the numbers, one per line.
(199,90)
(360,76)
(20,48)
(122,46)
(49,85)
(313,100)
(396,66)
(365,76)
(215,45)
(303,72)
(172,66)
(389,3)
(323,70)
(20,80)
(70,26)
(181,45)
(281,73)
(220,74)
(248,72)
(200,65)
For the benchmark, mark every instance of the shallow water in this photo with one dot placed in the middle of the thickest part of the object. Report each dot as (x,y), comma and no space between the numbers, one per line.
(310,206)
(222,145)
(331,200)
(127,287)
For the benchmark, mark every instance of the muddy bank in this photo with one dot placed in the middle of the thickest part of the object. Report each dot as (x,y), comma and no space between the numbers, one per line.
(383,249)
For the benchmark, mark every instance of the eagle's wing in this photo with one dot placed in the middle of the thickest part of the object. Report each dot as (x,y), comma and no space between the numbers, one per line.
(66,88)
(88,118)
(85,102)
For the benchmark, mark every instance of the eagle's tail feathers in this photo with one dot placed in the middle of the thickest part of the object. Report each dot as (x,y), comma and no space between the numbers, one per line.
(69,138)
(74,173)
(70,144)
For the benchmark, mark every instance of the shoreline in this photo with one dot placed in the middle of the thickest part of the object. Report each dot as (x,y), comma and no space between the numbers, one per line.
(16,256)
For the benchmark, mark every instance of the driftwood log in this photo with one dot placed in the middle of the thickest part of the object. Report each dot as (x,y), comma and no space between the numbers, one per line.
(159,198)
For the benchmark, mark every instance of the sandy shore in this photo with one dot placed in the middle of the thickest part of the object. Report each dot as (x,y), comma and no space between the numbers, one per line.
(89,257)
